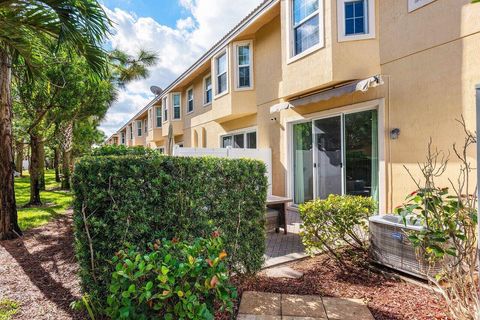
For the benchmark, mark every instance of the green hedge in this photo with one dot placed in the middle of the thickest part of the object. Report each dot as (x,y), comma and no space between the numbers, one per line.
(121,150)
(132,199)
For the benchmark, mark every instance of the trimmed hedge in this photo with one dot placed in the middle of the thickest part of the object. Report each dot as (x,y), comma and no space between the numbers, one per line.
(137,200)
(121,150)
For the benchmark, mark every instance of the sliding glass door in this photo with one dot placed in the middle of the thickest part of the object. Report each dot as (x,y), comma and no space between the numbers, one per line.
(336,155)
(328,156)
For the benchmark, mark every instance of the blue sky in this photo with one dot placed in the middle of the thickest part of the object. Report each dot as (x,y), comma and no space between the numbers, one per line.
(179,31)
(163,11)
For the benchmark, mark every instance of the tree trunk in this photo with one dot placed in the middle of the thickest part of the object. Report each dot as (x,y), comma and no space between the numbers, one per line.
(19,159)
(56,163)
(41,163)
(34,170)
(8,209)
(66,169)
(67,142)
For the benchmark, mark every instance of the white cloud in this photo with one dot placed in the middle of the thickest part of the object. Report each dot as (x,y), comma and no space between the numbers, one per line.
(177,47)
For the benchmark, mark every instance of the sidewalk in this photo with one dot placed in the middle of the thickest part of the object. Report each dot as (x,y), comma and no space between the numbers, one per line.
(273,306)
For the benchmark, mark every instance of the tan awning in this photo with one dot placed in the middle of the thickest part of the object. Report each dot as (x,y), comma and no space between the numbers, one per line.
(362,86)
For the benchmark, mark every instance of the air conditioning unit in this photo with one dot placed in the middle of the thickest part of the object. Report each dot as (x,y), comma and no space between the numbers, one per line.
(390,245)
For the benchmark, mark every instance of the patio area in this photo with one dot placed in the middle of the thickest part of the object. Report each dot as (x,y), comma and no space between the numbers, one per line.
(282,248)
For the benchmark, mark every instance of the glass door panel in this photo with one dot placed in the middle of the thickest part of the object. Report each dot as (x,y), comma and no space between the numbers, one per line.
(361,154)
(328,157)
(302,162)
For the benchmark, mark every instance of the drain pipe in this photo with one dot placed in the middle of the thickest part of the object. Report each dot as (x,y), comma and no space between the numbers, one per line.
(478,175)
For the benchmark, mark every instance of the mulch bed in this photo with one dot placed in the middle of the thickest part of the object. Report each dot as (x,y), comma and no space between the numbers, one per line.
(386,297)
(40,272)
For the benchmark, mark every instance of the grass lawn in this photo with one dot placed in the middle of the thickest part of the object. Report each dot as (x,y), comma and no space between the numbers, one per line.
(55,201)
(8,308)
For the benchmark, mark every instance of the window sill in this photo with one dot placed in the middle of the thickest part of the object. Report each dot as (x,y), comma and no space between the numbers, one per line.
(221,95)
(245,89)
(305,53)
(208,104)
(356,37)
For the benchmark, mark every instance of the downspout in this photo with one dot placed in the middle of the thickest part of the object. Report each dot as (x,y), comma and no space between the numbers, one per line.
(478,171)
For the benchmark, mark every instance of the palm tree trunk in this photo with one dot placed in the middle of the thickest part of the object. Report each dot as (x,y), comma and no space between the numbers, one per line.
(35,169)
(56,163)
(19,158)
(66,169)
(67,141)
(8,209)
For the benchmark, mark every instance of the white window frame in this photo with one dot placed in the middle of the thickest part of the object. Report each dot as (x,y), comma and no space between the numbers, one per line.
(165,109)
(131,131)
(123,139)
(379,105)
(139,127)
(156,116)
(188,100)
(205,103)
(291,56)
(179,106)
(370,12)
(243,131)
(215,83)
(145,124)
(237,66)
(161,150)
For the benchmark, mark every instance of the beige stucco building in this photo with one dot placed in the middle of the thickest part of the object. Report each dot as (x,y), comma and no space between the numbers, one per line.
(289,78)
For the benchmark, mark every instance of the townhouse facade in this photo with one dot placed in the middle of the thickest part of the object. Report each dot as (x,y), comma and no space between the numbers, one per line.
(345,93)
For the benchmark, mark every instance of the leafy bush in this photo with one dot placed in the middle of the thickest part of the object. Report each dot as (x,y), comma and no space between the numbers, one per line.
(175,280)
(336,222)
(121,150)
(132,199)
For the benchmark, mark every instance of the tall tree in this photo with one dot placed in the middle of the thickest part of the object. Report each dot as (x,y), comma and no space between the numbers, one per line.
(80,24)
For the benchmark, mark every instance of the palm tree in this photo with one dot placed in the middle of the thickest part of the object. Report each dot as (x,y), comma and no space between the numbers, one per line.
(126,68)
(80,25)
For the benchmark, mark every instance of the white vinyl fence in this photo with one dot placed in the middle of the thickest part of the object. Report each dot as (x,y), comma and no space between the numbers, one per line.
(264,155)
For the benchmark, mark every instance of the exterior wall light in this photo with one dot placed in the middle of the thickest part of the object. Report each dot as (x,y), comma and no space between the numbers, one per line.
(394,134)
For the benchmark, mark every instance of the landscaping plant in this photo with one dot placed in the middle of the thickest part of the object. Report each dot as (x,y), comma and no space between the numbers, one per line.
(338,221)
(449,238)
(121,150)
(172,280)
(138,199)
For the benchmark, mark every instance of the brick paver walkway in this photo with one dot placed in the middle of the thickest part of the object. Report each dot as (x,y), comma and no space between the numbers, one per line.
(282,247)
(274,306)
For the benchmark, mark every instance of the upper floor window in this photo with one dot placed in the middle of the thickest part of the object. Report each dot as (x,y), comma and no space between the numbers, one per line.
(356,19)
(221,72)
(240,140)
(158,116)
(165,109)
(190,100)
(306,25)
(208,90)
(176,97)
(244,65)
(139,128)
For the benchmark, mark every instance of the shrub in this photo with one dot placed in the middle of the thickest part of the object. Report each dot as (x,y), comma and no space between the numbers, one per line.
(450,219)
(175,280)
(137,200)
(336,222)
(121,150)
